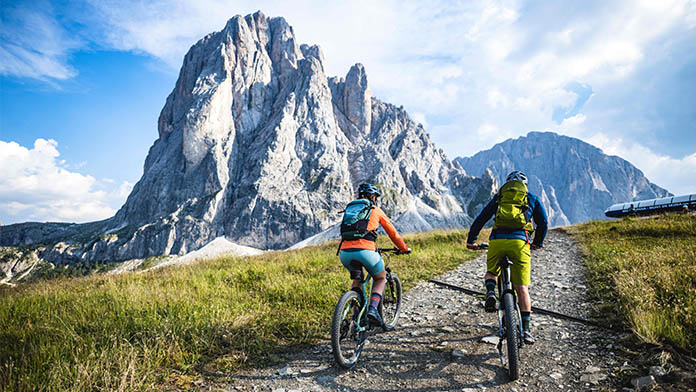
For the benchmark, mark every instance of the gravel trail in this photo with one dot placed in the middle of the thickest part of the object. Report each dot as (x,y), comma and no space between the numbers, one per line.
(440,341)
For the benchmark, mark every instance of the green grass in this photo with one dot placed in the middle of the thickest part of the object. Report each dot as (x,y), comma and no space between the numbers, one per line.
(138,331)
(643,272)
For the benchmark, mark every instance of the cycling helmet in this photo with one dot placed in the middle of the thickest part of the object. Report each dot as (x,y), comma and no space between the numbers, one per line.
(368,189)
(517,175)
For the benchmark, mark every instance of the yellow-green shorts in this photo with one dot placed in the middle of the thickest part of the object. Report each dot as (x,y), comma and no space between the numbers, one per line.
(518,252)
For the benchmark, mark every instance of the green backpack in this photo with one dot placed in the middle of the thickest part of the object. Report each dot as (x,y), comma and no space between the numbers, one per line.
(513,205)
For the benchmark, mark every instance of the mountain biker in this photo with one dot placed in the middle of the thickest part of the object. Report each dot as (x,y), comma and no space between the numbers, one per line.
(512,241)
(356,254)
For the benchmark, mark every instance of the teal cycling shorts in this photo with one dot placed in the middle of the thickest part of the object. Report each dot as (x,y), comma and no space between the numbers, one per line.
(353,259)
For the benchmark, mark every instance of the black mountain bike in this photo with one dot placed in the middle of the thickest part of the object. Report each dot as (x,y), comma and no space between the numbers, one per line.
(350,325)
(509,319)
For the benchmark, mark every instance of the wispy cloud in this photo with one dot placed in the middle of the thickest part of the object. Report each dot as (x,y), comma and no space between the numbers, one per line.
(36,186)
(33,44)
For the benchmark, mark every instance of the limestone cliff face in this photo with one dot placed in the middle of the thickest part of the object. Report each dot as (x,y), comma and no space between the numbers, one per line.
(575,180)
(258,145)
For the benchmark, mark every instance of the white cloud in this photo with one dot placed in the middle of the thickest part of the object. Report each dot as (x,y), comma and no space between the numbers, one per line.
(36,186)
(574,121)
(419,118)
(33,44)
(496,99)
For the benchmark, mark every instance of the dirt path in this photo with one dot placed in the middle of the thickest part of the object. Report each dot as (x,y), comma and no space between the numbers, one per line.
(438,344)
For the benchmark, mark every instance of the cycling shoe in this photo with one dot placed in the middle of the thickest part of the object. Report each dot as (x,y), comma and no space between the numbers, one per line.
(490,302)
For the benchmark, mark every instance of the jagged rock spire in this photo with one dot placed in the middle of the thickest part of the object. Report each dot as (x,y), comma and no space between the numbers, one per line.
(256,144)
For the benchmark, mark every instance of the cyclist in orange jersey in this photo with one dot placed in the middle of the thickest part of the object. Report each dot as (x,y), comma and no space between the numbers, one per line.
(362,252)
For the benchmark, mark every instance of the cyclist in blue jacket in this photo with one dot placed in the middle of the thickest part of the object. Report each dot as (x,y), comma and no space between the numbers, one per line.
(515,243)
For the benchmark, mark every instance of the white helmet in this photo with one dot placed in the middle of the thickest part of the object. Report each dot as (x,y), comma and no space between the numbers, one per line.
(517,175)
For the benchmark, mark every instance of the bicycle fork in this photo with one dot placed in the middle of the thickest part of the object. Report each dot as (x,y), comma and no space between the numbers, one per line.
(501,336)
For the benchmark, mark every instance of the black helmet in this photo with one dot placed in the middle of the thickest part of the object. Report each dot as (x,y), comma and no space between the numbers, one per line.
(517,175)
(368,189)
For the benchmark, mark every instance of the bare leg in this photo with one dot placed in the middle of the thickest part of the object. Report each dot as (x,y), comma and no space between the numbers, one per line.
(490,276)
(380,281)
(523,298)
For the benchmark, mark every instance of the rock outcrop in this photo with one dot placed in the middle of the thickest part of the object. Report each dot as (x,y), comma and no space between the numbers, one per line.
(575,180)
(256,144)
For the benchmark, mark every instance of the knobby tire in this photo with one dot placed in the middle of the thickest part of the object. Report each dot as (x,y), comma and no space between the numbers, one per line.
(511,332)
(349,340)
(390,307)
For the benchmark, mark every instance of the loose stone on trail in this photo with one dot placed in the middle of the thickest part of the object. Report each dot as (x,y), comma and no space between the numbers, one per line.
(640,382)
(286,371)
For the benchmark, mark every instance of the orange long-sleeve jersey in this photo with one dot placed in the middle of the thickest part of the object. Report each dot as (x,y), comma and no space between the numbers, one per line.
(377,218)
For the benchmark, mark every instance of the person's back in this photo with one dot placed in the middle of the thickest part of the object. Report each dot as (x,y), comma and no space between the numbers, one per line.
(514,209)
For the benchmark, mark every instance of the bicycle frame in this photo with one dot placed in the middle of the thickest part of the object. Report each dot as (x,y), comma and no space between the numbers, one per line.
(367,283)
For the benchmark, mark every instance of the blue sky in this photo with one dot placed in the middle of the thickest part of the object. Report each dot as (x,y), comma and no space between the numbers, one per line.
(82,82)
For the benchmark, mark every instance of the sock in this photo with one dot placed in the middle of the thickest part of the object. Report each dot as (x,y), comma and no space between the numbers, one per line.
(526,317)
(490,285)
(374,300)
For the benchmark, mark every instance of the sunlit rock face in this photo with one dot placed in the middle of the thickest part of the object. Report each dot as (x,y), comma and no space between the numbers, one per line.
(575,180)
(258,145)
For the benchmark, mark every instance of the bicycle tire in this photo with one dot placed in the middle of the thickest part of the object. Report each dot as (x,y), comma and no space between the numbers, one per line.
(390,306)
(511,332)
(346,342)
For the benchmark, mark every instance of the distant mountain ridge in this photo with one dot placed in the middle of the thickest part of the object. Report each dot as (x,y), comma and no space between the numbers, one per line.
(575,180)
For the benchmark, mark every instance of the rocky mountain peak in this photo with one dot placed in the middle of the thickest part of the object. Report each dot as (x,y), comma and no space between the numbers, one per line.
(256,144)
(575,180)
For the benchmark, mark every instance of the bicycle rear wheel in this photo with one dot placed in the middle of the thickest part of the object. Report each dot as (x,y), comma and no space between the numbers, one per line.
(390,307)
(346,341)
(512,338)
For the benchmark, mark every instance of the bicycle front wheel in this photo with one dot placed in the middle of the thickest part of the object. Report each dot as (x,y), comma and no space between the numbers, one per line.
(511,332)
(390,307)
(346,341)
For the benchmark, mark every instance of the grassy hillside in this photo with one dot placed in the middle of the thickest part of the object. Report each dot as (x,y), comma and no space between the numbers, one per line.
(137,330)
(643,271)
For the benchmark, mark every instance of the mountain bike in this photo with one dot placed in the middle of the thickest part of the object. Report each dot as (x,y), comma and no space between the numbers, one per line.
(509,319)
(350,325)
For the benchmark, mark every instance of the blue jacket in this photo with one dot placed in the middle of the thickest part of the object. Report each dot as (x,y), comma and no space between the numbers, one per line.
(536,212)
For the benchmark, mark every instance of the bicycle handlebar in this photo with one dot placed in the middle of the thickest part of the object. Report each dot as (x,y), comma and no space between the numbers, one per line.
(483,245)
(392,250)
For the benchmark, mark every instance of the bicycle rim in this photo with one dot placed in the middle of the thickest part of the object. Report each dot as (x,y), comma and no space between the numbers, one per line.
(390,307)
(511,336)
(346,341)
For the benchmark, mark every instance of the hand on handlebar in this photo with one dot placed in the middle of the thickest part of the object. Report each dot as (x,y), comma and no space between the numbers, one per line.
(483,245)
